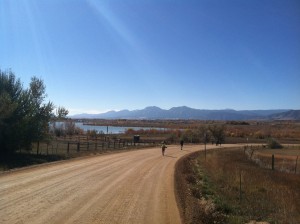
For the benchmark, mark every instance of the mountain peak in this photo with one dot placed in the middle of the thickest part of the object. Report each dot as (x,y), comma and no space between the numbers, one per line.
(184,112)
(152,108)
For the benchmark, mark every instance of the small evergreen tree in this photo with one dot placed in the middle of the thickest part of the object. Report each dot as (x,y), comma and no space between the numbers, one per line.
(274,144)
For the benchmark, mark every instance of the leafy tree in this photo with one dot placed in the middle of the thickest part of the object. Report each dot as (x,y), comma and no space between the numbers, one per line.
(61,113)
(24,117)
(218,133)
(204,134)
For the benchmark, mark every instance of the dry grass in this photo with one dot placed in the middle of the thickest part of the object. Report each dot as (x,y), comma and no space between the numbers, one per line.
(285,160)
(236,187)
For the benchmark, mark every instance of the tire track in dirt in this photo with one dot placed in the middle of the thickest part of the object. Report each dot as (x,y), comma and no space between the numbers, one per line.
(44,183)
(53,169)
(129,187)
(51,190)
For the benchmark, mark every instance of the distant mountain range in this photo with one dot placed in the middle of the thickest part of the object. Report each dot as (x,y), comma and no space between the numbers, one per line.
(197,114)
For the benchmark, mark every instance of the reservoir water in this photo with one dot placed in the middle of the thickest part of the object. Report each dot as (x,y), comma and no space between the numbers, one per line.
(107,129)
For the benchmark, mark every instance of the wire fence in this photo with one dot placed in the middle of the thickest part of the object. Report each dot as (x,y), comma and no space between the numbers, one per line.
(72,146)
(280,162)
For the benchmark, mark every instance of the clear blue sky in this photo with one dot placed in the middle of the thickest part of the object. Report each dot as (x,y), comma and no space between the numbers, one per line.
(96,56)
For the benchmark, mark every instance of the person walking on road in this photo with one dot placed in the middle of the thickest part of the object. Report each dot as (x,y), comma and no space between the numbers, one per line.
(163,148)
(181,144)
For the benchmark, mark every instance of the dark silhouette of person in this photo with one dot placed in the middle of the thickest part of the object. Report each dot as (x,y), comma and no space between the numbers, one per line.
(181,144)
(163,148)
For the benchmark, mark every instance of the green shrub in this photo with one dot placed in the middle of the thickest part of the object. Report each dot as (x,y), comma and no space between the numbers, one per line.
(191,179)
(274,144)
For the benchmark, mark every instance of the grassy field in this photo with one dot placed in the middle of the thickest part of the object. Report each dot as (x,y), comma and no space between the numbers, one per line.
(227,187)
(284,160)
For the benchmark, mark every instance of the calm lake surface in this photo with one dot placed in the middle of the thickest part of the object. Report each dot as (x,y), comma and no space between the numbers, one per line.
(107,129)
(110,129)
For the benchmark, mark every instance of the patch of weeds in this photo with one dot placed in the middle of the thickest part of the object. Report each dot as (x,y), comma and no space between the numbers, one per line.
(274,144)
(196,192)
(222,205)
(262,190)
(191,179)
(235,219)
(207,188)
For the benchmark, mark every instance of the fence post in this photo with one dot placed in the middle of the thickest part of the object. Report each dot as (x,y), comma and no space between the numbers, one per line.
(88,145)
(47,147)
(78,146)
(296,165)
(68,150)
(38,147)
(240,186)
(96,145)
(273,161)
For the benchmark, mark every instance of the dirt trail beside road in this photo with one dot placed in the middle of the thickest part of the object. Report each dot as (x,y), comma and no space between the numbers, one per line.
(127,187)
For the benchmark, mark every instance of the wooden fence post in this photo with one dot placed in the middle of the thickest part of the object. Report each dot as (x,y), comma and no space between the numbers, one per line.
(68,149)
(273,161)
(47,147)
(38,147)
(78,146)
(240,186)
(296,165)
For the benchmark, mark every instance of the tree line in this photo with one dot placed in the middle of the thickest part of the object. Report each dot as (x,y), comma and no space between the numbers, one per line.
(24,113)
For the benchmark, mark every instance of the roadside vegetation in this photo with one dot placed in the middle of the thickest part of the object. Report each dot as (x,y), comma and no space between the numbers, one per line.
(24,118)
(227,187)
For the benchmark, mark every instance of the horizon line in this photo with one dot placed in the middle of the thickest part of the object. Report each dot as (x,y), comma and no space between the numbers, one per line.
(97,112)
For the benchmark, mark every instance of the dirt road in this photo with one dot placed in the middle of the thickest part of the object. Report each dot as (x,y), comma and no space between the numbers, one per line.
(127,187)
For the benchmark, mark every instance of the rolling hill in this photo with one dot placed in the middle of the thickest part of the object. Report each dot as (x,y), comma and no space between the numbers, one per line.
(197,114)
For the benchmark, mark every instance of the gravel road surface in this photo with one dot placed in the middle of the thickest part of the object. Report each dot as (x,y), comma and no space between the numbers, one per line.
(127,187)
